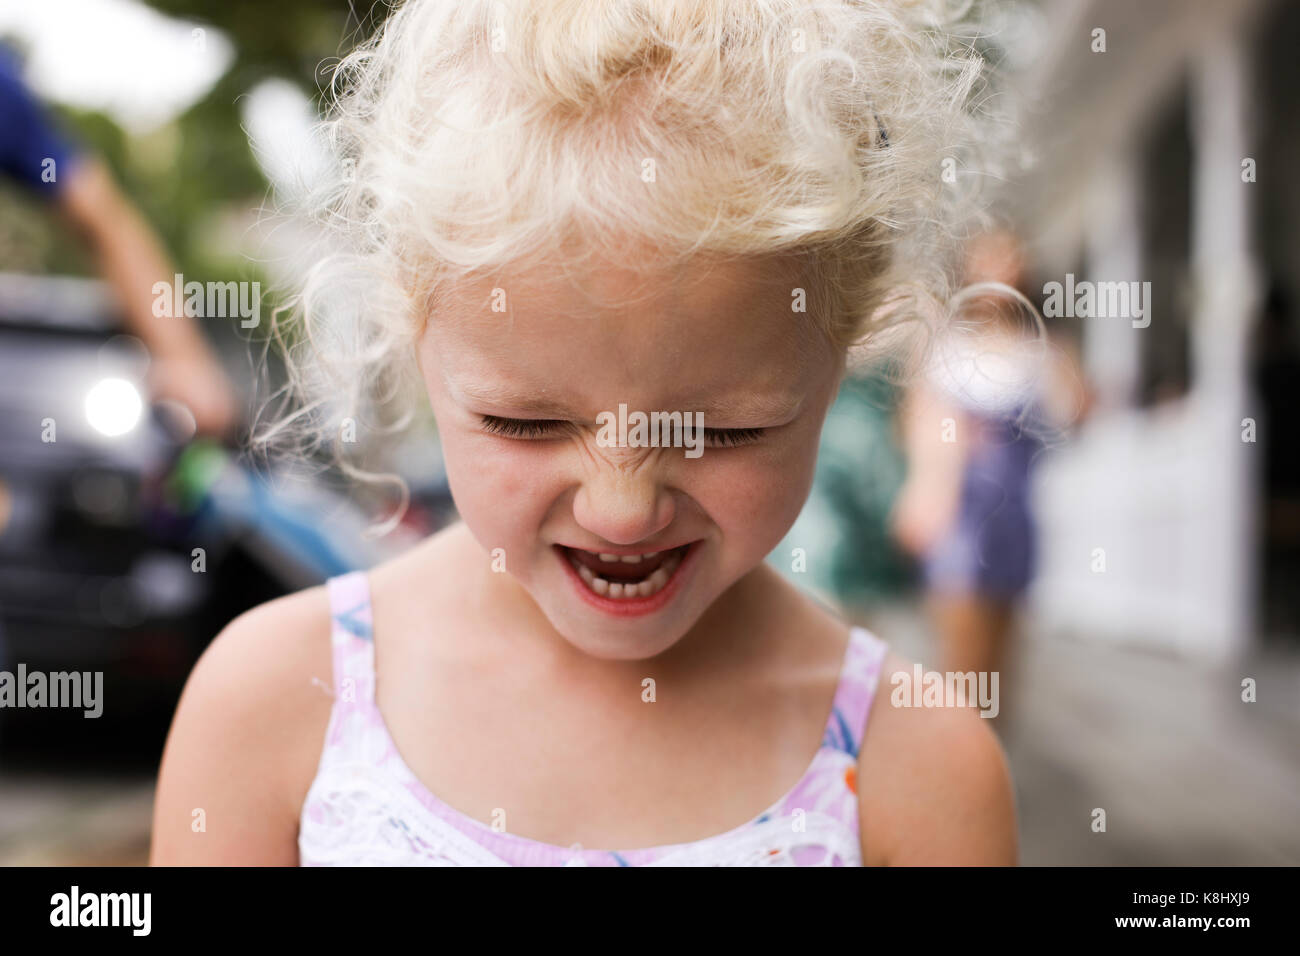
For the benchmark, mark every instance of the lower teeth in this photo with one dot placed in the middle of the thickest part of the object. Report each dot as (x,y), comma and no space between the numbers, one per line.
(652,584)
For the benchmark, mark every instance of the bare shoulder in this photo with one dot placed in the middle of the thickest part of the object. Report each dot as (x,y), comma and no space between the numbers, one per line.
(935,789)
(246,738)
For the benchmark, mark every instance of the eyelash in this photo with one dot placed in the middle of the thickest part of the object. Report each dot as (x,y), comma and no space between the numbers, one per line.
(519,427)
(540,427)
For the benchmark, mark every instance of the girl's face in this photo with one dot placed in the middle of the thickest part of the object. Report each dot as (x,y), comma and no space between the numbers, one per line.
(521,394)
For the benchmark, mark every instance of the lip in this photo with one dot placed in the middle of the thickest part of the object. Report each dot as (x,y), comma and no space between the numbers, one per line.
(638,606)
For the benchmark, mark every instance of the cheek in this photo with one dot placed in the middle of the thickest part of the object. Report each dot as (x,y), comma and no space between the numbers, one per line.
(499,483)
(492,482)
(756,495)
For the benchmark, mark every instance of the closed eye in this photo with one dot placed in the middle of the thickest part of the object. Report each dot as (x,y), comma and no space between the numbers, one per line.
(531,428)
(731,437)
(520,427)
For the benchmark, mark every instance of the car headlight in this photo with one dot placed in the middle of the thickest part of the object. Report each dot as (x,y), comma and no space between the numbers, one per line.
(113,406)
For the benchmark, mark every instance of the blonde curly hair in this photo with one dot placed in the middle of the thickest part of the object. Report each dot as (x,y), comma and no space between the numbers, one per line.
(476,134)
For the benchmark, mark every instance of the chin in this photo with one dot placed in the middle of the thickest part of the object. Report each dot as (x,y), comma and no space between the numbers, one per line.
(618,641)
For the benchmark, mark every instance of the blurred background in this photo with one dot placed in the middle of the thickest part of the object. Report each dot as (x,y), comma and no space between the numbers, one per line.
(1107,513)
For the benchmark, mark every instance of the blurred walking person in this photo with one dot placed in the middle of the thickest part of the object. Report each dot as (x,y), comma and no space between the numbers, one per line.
(972,425)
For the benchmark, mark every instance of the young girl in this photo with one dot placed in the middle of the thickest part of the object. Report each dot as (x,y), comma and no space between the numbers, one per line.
(558,216)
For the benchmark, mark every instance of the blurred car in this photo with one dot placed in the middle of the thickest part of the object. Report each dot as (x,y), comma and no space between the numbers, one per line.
(124,545)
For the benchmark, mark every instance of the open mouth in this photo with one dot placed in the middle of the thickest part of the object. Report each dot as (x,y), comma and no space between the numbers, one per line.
(625,576)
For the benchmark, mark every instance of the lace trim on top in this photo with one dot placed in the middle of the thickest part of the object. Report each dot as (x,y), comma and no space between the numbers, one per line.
(367,807)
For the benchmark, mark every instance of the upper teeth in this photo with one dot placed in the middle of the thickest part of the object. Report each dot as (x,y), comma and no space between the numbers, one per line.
(627,558)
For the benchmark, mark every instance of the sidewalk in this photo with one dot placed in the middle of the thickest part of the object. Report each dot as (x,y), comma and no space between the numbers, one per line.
(49,820)
(1187,773)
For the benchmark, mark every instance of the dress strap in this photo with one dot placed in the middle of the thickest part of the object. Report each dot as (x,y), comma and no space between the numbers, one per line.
(352,638)
(863,661)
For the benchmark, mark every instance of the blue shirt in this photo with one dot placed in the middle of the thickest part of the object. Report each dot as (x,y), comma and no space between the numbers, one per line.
(32,151)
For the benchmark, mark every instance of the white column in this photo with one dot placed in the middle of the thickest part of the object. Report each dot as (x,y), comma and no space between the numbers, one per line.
(1225,302)
(1111,353)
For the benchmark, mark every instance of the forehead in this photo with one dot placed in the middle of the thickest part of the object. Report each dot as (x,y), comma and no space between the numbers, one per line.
(613,331)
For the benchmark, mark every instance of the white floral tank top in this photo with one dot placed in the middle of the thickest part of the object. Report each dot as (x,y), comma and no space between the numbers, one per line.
(367,808)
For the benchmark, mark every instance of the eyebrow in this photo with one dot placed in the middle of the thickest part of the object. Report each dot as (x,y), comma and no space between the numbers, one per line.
(776,408)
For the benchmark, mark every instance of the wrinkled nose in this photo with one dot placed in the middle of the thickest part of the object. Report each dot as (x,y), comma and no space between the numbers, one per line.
(623,507)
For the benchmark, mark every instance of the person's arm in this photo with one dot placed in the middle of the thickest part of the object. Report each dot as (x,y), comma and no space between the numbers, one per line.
(935,787)
(131,259)
(928,500)
(35,154)
(1068,398)
(247,735)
